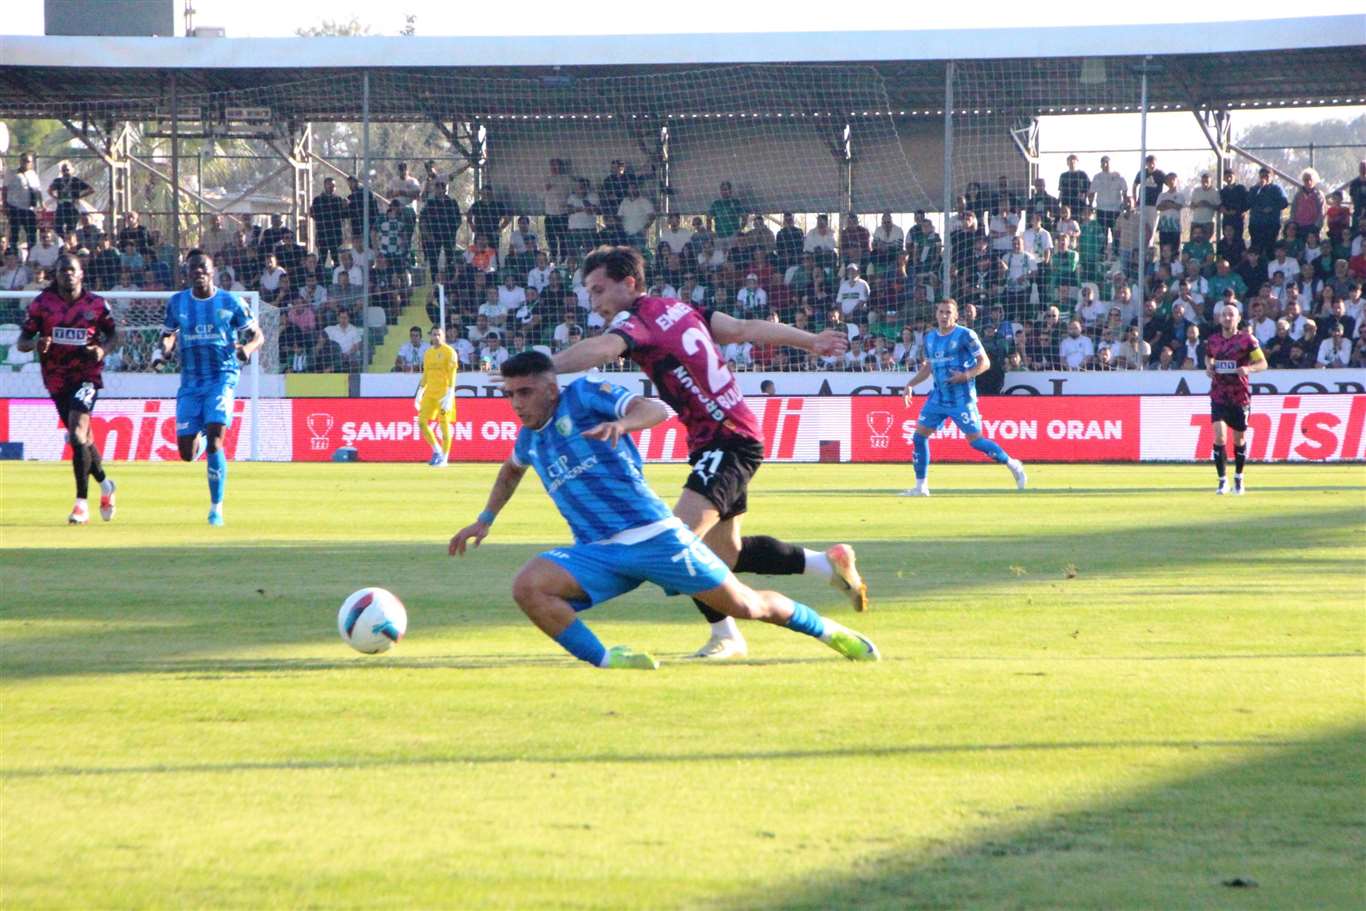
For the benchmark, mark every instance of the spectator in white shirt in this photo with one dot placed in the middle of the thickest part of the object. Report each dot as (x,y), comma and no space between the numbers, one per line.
(1036,241)
(1262,327)
(13,277)
(44,253)
(583,216)
(1131,353)
(1204,203)
(1004,226)
(1108,190)
(674,235)
(1283,264)
(539,276)
(1091,311)
(751,300)
(570,322)
(1336,349)
(341,344)
(350,267)
(1170,202)
(407,189)
(820,238)
(741,353)
(409,358)
(510,294)
(1295,319)
(269,282)
(637,214)
(492,308)
(853,293)
(492,354)
(1076,351)
(888,243)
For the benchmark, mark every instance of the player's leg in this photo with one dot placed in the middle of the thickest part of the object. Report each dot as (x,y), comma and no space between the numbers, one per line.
(701,516)
(1220,456)
(445,423)
(970,422)
(216,470)
(927,423)
(767,556)
(426,414)
(736,599)
(77,425)
(548,593)
(217,411)
(1239,428)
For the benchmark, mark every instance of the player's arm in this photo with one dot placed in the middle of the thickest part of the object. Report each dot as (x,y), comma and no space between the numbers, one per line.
(982,365)
(1256,362)
(504,486)
(30,334)
(727,329)
(920,376)
(640,414)
(589,353)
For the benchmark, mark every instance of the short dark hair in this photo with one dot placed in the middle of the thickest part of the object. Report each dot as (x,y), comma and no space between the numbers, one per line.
(620,263)
(527,363)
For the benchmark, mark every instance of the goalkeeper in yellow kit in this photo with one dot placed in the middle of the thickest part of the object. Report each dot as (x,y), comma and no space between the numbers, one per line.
(435,400)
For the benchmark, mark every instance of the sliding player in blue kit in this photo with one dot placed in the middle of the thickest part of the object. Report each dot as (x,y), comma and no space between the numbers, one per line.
(578,443)
(206,323)
(955,357)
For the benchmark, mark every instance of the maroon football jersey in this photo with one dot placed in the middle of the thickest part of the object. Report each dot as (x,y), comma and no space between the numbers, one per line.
(672,343)
(1227,355)
(69,362)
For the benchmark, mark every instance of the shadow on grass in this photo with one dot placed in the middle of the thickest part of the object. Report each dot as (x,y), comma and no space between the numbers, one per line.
(578,758)
(1280,831)
(135,609)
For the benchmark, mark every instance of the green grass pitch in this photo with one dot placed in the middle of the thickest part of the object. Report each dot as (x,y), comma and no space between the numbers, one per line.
(1114,691)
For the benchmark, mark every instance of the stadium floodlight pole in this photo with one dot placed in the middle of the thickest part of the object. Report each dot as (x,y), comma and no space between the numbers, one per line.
(947,264)
(1142,209)
(365,214)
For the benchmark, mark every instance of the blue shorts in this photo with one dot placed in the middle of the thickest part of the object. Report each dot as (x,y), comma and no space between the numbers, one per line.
(676,560)
(967,418)
(201,405)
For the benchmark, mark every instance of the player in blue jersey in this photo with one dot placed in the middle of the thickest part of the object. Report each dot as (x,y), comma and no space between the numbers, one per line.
(955,357)
(216,335)
(577,441)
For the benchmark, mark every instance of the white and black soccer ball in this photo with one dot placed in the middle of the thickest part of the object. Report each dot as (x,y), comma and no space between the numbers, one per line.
(372,620)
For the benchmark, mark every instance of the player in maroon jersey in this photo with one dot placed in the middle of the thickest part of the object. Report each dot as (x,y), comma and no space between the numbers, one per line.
(71,330)
(1231,357)
(676,346)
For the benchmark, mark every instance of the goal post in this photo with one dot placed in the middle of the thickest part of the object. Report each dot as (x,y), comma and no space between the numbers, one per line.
(139,316)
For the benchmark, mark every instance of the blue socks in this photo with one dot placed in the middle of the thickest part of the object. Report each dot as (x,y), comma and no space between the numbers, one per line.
(805,620)
(581,642)
(218,476)
(922,456)
(982,444)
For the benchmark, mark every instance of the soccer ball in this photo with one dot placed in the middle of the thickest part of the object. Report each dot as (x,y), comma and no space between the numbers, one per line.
(372,620)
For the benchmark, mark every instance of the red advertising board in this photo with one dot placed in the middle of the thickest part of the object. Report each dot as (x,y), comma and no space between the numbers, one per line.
(1030,428)
(1295,428)
(387,430)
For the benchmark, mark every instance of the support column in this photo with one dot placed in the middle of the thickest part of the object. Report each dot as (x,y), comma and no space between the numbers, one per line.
(946,289)
(175,163)
(301,162)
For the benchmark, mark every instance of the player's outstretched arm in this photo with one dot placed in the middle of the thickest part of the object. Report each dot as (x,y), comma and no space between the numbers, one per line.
(255,339)
(727,329)
(509,476)
(589,353)
(640,414)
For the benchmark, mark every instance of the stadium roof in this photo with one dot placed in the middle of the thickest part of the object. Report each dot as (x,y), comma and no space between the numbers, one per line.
(1268,63)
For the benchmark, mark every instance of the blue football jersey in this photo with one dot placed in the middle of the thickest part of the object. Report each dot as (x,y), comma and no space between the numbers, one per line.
(208,336)
(599,489)
(950,354)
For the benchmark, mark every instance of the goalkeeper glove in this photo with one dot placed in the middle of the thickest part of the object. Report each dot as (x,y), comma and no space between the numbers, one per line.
(448,400)
(417,399)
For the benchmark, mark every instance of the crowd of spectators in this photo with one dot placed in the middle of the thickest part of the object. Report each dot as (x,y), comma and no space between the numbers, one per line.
(1050,282)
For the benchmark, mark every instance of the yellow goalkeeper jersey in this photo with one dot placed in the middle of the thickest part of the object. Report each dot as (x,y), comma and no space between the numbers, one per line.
(439,367)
